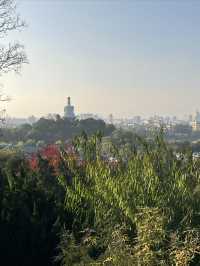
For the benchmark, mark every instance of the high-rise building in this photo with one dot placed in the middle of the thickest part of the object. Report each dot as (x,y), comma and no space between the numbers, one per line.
(69,109)
(196,122)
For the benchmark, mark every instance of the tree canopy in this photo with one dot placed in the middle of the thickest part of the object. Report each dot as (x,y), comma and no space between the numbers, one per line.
(50,130)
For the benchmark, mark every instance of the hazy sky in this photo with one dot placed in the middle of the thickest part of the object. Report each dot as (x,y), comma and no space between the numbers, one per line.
(122,57)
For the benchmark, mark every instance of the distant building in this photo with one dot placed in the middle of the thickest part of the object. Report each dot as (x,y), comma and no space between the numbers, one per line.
(196,122)
(110,119)
(137,119)
(69,109)
(190,118)
(87,116)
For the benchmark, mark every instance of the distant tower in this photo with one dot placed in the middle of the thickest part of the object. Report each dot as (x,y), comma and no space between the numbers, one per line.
(69,109)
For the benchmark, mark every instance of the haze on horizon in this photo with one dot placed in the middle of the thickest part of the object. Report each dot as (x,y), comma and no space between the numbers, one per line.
(122,57)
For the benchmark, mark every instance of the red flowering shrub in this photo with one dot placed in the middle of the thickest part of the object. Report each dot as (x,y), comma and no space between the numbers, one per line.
(52,154)
(33,162)
(50,151)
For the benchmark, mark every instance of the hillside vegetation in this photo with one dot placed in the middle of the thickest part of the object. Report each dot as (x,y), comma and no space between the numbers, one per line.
(79,207)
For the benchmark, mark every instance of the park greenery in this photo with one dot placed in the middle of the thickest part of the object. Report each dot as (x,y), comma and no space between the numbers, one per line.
(77,206)
(52,130)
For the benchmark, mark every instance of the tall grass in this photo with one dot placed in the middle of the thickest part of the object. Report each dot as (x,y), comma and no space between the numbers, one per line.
(150,196)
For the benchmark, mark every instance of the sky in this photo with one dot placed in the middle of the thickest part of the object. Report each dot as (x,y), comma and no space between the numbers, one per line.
(123,57)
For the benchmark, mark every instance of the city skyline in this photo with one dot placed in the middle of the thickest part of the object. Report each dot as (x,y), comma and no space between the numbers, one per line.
(130,58)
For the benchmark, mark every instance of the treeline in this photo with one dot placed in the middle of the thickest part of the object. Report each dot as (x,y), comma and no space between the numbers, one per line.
(50,130)
(78,208)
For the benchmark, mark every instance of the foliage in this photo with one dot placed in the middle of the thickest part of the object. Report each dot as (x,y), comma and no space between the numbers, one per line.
(104,195)
(30,214)
(73,205)
(50,131)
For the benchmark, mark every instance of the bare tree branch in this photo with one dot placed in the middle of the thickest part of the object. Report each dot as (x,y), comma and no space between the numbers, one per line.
(13,55)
